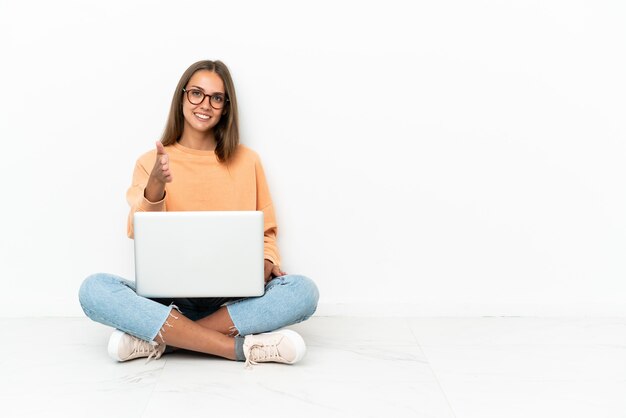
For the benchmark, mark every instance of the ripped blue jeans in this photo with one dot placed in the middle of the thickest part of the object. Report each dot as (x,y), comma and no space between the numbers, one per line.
(111,300)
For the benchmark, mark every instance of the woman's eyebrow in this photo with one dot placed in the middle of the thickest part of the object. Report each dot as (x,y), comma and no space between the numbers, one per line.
(215,92)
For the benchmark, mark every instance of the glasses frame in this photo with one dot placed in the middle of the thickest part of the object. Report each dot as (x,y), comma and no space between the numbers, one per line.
(210,96)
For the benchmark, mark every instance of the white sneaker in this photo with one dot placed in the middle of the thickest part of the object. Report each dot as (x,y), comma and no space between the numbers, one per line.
(123,347)
(284,346)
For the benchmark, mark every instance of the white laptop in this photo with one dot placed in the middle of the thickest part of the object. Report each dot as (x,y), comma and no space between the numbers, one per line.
(199,254)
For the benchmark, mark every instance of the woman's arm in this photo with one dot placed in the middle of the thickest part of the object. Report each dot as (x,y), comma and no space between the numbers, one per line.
(147,192)
(264,203)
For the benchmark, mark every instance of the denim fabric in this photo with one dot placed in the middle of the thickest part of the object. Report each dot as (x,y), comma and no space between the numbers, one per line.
(111,300)
(287,300)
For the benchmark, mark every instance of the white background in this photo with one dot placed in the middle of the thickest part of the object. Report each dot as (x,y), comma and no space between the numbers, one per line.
(425,158)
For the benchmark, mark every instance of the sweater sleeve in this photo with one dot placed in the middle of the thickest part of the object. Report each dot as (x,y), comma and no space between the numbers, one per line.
(136,199)
(264,203)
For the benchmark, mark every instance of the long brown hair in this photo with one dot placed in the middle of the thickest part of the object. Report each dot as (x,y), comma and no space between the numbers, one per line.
(226,130)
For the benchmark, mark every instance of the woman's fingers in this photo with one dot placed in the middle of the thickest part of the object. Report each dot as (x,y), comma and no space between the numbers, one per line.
(161,168)
(278,272)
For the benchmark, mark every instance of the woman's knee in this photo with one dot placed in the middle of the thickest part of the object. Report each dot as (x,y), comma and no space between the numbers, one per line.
(94,288)
(89,289)
(306,293)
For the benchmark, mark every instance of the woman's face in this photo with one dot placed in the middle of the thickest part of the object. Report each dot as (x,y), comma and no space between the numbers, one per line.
(203,116)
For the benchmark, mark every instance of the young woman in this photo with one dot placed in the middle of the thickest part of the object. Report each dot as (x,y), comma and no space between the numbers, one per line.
(200,165)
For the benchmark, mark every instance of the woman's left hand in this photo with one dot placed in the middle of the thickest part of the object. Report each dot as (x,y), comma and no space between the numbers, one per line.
(271,269)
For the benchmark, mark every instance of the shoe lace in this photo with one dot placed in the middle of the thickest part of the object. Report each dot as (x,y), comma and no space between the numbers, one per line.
(262,352)
(143,347)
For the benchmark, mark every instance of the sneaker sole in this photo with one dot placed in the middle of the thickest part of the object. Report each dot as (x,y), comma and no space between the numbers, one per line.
(114,343)
(297,341)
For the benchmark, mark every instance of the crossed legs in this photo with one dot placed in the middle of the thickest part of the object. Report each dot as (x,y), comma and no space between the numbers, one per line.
(111,300)
(210,335)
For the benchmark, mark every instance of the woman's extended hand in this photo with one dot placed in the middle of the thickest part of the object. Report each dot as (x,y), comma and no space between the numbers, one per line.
(161,170)
(161,174)
(271,269)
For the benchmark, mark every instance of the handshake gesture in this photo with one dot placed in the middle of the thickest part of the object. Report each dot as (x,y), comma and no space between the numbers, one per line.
(161,170)
(161,174)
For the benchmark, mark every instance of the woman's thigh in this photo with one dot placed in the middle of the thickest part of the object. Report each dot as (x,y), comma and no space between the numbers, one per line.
(287,300)
(112,300)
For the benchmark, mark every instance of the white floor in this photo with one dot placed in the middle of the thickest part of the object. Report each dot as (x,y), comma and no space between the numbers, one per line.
(354,367)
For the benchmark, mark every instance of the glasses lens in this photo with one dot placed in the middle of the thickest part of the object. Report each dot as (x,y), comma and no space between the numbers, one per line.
(217,101)
(195,96)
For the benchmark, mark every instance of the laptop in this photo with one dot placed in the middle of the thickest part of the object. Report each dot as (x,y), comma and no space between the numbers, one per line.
(199,254)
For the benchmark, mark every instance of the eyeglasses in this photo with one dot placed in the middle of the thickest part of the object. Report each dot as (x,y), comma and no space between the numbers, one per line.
(195,97)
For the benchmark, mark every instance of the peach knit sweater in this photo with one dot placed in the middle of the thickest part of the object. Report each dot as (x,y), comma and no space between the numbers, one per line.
(200,182)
